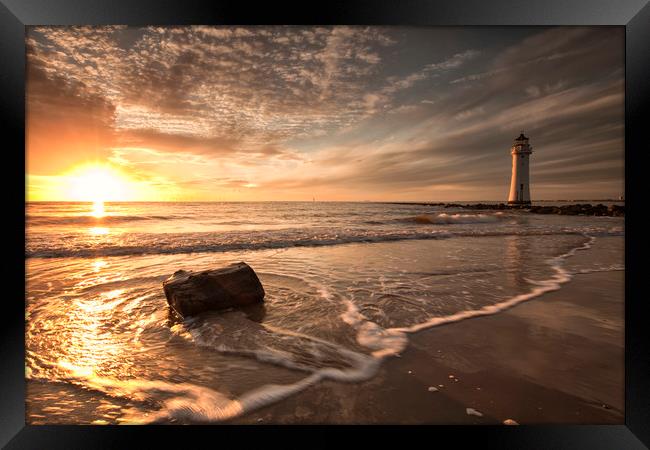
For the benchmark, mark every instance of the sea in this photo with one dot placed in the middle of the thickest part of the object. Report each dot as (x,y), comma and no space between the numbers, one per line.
(346,285)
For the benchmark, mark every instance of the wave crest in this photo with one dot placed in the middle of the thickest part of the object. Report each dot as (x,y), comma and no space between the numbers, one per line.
(449,219)
(136,244)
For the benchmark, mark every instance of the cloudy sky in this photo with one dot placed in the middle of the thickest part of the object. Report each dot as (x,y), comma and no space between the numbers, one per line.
(335,113)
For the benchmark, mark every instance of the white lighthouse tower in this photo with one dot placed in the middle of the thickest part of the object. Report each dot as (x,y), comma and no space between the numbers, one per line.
(519,185)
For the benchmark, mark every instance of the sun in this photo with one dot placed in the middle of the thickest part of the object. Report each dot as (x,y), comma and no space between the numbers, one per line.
(98,184)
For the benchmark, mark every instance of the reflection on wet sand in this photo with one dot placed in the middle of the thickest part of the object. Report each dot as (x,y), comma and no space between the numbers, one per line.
(516,252)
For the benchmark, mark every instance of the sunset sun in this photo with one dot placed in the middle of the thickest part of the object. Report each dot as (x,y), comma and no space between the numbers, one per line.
(98,184)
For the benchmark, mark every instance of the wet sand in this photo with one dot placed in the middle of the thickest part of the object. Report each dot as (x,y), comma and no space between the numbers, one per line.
(555,359)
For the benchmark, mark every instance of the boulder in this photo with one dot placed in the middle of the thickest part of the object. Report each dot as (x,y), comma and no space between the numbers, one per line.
(572,210)
(190,293)
(544,209)
(616,210)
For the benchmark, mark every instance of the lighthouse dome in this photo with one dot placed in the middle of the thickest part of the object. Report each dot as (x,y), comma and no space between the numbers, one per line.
(522,137)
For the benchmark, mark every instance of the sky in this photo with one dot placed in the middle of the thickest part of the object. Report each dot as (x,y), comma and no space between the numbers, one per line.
(208,113)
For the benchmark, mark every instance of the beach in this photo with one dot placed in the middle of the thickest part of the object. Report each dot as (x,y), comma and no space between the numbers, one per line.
(531,370)
(374,313)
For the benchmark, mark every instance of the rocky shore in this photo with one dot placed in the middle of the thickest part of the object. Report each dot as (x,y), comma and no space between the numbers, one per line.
(578,209)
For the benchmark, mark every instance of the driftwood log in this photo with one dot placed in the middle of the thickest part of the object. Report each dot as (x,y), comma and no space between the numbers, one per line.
(191,293)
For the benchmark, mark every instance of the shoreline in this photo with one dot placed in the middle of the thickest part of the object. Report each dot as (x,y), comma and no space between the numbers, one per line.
(511,365)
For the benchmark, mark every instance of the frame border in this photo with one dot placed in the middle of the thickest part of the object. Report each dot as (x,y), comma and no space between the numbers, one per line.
(633,14)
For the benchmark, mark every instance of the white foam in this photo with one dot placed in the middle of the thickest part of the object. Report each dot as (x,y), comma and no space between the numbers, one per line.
(190,400)
(196,403)
(444,218)
(359,364)
(612,268)
(383,342)
(205,405)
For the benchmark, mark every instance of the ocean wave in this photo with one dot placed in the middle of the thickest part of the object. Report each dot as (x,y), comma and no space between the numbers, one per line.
(440,219)
(87,219)
(449,219)
(138,244)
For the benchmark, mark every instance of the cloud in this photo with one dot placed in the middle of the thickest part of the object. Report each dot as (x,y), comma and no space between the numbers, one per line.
(574,118)
(60,114)
(429,70)
(175,142)
(347,110)
(533,91)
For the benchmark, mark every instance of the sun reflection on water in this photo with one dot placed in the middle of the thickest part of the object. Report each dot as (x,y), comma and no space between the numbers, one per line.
(98,231)
(98,265)
(98,209)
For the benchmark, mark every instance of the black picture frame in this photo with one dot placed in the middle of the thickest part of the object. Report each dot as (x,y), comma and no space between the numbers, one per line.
(634,15)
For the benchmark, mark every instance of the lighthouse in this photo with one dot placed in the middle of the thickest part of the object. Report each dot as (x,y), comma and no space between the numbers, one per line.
(519,184)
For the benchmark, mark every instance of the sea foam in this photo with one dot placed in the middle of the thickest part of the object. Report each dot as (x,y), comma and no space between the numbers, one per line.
(447,219)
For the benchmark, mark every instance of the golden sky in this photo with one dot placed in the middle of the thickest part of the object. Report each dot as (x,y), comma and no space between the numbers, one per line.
(332,113)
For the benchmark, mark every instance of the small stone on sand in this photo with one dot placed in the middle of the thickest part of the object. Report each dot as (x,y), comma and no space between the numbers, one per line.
(510,422)
(441,385)
(473,412)
(433,389)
